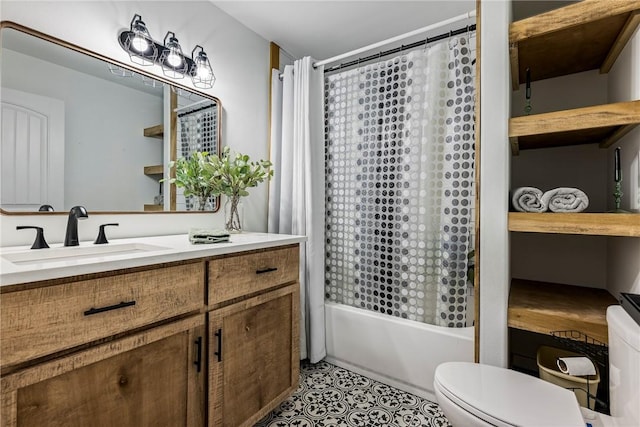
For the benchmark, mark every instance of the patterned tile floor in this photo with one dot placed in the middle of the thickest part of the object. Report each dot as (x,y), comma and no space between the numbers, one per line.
(332,396)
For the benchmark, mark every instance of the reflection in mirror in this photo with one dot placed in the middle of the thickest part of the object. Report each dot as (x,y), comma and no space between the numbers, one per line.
(76,130)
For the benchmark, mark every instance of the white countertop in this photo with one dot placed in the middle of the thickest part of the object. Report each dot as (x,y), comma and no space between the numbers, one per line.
(172,248)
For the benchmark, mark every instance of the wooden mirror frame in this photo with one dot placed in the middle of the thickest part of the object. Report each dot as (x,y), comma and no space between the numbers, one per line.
(79,49)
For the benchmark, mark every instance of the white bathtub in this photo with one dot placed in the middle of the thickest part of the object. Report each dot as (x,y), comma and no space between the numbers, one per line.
(398,352)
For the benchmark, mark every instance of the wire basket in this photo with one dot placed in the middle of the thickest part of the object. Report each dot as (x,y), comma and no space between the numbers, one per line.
(583,343)
(595,350)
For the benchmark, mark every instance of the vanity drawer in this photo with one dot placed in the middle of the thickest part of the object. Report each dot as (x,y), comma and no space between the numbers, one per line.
(41,321)
(241,275)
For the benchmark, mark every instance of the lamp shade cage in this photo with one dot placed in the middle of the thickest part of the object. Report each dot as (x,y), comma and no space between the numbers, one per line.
(201,71)
(138,43)
(173,62)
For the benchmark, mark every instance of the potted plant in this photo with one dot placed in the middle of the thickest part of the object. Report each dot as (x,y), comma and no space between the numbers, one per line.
(194,177)
(232,175)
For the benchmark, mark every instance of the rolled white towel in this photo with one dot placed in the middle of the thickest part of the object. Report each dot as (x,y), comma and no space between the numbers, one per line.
(528,199)
(576,366)
(565,199)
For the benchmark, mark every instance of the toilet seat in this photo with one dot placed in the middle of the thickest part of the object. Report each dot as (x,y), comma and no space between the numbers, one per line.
(503,397)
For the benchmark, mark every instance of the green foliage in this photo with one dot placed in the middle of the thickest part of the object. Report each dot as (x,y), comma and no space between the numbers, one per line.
(204,176)
(194,176)
(231,175)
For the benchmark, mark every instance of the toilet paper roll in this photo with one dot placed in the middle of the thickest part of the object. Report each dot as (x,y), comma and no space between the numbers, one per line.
(576,366)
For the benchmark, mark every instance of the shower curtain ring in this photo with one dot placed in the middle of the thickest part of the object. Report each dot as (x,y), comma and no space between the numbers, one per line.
(455,42)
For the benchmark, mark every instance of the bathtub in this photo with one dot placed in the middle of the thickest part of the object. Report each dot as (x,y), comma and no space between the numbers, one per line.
(398,352)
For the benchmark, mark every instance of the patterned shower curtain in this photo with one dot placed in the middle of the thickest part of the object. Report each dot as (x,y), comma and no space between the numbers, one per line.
(399,150)
(197,131)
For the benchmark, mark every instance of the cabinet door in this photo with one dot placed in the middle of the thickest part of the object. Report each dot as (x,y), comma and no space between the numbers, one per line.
(152,378)
(253,356)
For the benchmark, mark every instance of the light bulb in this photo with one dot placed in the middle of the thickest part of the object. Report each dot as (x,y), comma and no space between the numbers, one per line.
(174,58)
(203,72)
(139,43)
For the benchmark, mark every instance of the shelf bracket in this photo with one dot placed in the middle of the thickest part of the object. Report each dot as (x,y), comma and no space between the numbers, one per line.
(618,134)
(515,67)
(621,41)
(515,147)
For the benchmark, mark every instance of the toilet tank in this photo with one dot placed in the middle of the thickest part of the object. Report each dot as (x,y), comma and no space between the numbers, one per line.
(624,366)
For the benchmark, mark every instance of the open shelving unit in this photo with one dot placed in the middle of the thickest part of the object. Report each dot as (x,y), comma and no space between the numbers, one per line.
(580,37)
(154,170)
(591,224)
(603,124)
(546,307)
(583,36)
(153,208)
(156,131)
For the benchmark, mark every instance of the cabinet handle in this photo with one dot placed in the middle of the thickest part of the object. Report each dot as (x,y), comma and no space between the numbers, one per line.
(198,361)
(266,270)
(219,352)
(109,308)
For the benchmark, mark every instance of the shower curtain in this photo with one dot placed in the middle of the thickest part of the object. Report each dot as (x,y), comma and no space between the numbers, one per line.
(399,148)
(296,193)
(197,131)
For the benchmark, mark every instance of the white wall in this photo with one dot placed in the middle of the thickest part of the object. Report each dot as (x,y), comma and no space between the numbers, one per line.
(577,260)
(95,146)
(623,253)
(494,175)
(240,60)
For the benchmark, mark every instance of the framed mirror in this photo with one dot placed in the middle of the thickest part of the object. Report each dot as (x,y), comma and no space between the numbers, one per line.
(78,128)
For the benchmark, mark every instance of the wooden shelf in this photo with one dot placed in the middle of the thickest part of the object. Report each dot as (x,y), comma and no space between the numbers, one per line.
(153,208)
(154,170)
(544,307)
(594,224)
(584,36)
(603,124)
(155,131)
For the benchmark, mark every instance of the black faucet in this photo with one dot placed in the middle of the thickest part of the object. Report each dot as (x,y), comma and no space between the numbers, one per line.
(40,242)
(71,237)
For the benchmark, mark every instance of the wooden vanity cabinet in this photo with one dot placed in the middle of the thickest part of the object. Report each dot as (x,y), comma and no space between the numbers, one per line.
(151,378)
(208,342)
(108,349)
(45,318)
(254,340)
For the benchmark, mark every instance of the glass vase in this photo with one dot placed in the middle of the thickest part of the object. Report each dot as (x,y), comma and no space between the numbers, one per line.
(201,203)
(233,214)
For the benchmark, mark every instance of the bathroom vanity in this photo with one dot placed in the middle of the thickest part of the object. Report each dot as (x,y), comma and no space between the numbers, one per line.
(154,331)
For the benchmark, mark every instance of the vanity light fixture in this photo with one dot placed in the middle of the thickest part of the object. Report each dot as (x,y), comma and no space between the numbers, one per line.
(174,64)
(201,73)
(138,43)
(143,50)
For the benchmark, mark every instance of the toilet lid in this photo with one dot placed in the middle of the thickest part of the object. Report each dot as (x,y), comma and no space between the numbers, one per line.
(504,397)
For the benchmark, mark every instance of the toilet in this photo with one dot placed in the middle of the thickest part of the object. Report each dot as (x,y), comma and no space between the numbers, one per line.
(472,394)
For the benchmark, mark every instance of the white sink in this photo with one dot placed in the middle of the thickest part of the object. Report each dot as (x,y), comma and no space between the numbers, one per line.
(100,252)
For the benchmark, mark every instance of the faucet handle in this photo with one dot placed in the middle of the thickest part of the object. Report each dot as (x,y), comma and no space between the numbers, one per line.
(39,243)
(102,238)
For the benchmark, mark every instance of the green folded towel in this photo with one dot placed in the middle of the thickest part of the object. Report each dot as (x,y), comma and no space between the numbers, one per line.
(206,236)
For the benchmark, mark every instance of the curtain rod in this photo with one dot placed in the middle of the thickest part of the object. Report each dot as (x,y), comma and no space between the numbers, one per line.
(186,113)
(398,49)
(186,107)
(401,48)
(440,24)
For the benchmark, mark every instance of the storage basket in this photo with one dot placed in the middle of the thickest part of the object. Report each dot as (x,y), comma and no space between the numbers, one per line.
(548,369)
